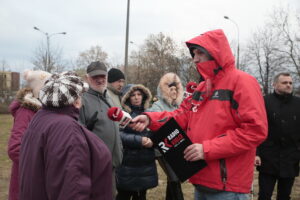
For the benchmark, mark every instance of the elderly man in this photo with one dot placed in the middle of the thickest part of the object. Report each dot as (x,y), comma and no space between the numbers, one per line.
(93,113)
(116,81)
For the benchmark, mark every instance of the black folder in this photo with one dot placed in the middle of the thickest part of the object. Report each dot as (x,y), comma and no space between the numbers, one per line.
(171,141)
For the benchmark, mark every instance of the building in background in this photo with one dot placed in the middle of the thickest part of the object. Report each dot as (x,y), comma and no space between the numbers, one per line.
(9,81)
(9,85)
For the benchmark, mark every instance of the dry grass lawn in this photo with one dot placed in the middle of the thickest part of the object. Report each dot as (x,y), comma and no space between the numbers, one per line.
(157,193)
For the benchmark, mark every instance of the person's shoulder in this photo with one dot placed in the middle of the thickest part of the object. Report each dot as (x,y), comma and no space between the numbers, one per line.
(70,124)
(243,78)
(87,97)
(156,106)
(297,99)
(241,75)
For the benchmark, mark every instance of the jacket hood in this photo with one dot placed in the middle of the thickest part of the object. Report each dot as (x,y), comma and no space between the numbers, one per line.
(163,88)
(13,107)
(26,99)
(216,43)
(128,89)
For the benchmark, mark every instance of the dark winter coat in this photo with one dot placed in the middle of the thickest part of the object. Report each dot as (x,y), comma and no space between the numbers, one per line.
(61,160)
(280,153)
(22,109)
(138,169)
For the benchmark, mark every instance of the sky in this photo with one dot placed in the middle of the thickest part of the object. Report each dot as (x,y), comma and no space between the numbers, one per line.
(103,22)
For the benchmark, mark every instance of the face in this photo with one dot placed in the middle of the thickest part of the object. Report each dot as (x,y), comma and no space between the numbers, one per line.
(98,82)
(136,98)
(284,85)
(118,85)
(199,56)
(173,92)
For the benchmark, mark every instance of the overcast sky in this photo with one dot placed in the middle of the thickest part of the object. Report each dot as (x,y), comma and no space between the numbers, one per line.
(103,22)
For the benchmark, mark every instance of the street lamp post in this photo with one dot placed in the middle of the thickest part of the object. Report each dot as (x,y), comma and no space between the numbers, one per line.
(127,35)
(238,45)
(139,57)
(48,43)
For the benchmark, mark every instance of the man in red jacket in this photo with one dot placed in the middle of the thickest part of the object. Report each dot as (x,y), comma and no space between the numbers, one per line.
(225,118)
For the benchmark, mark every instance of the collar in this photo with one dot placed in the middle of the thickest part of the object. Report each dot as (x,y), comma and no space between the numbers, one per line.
(96,93)
(113,90)
(283,97)
(68,110)
(208,69)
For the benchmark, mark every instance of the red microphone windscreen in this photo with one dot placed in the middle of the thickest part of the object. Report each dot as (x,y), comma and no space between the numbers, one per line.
(115,113)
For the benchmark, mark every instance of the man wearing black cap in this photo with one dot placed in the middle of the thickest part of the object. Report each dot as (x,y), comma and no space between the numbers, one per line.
(116,80)
(93,113)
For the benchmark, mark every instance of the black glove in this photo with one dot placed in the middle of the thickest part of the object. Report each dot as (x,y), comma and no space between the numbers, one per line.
(91,123)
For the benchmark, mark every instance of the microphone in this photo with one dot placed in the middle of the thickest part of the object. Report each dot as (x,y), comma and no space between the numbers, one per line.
(118,115)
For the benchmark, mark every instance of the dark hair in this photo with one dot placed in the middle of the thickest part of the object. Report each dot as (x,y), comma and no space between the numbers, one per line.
(276,77)
(143,95)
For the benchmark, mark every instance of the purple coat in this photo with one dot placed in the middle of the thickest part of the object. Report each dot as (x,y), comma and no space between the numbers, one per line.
(22,111)
(61,160)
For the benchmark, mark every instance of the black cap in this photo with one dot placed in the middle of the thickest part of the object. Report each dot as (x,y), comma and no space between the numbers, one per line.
(202,49)
(115,74)
(96,68)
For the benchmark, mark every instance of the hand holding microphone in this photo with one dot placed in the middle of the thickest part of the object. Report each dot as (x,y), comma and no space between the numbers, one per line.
(139,123)
(118,115)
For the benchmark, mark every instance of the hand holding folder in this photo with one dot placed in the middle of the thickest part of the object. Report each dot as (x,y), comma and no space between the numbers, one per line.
(171,141)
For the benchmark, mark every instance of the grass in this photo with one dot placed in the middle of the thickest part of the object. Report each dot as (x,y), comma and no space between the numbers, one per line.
(5,166)
(157,193)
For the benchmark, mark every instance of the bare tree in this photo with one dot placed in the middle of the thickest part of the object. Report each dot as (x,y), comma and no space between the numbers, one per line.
(289,36)
(55,62)
(262,56)
(95,53)
(158,55)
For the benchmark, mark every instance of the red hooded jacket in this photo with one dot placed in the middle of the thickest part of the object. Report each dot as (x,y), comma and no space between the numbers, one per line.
(226,114)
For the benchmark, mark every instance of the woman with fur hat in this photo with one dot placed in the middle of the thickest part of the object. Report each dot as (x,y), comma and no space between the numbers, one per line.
(59,158)
(22,109)
(170,95)
(137,172)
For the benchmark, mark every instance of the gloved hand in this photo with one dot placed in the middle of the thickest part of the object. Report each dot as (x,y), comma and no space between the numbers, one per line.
(91,123)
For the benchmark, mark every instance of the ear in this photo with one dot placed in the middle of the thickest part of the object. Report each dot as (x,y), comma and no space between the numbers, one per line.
(77,103)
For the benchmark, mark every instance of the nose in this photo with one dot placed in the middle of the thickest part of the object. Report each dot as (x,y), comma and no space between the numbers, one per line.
(196,59)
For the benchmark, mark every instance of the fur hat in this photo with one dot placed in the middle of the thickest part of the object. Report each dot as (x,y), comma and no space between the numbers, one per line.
(166,81)
(35,80)
(62,90)
(115,74)
(128,89)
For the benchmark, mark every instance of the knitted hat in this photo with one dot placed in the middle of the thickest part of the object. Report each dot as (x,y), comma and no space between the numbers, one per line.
(96,68)
(35,80)
(62,90)
(115,74)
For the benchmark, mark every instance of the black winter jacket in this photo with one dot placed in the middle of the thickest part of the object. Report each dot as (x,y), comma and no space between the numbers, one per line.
(280,152)
(138,169)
